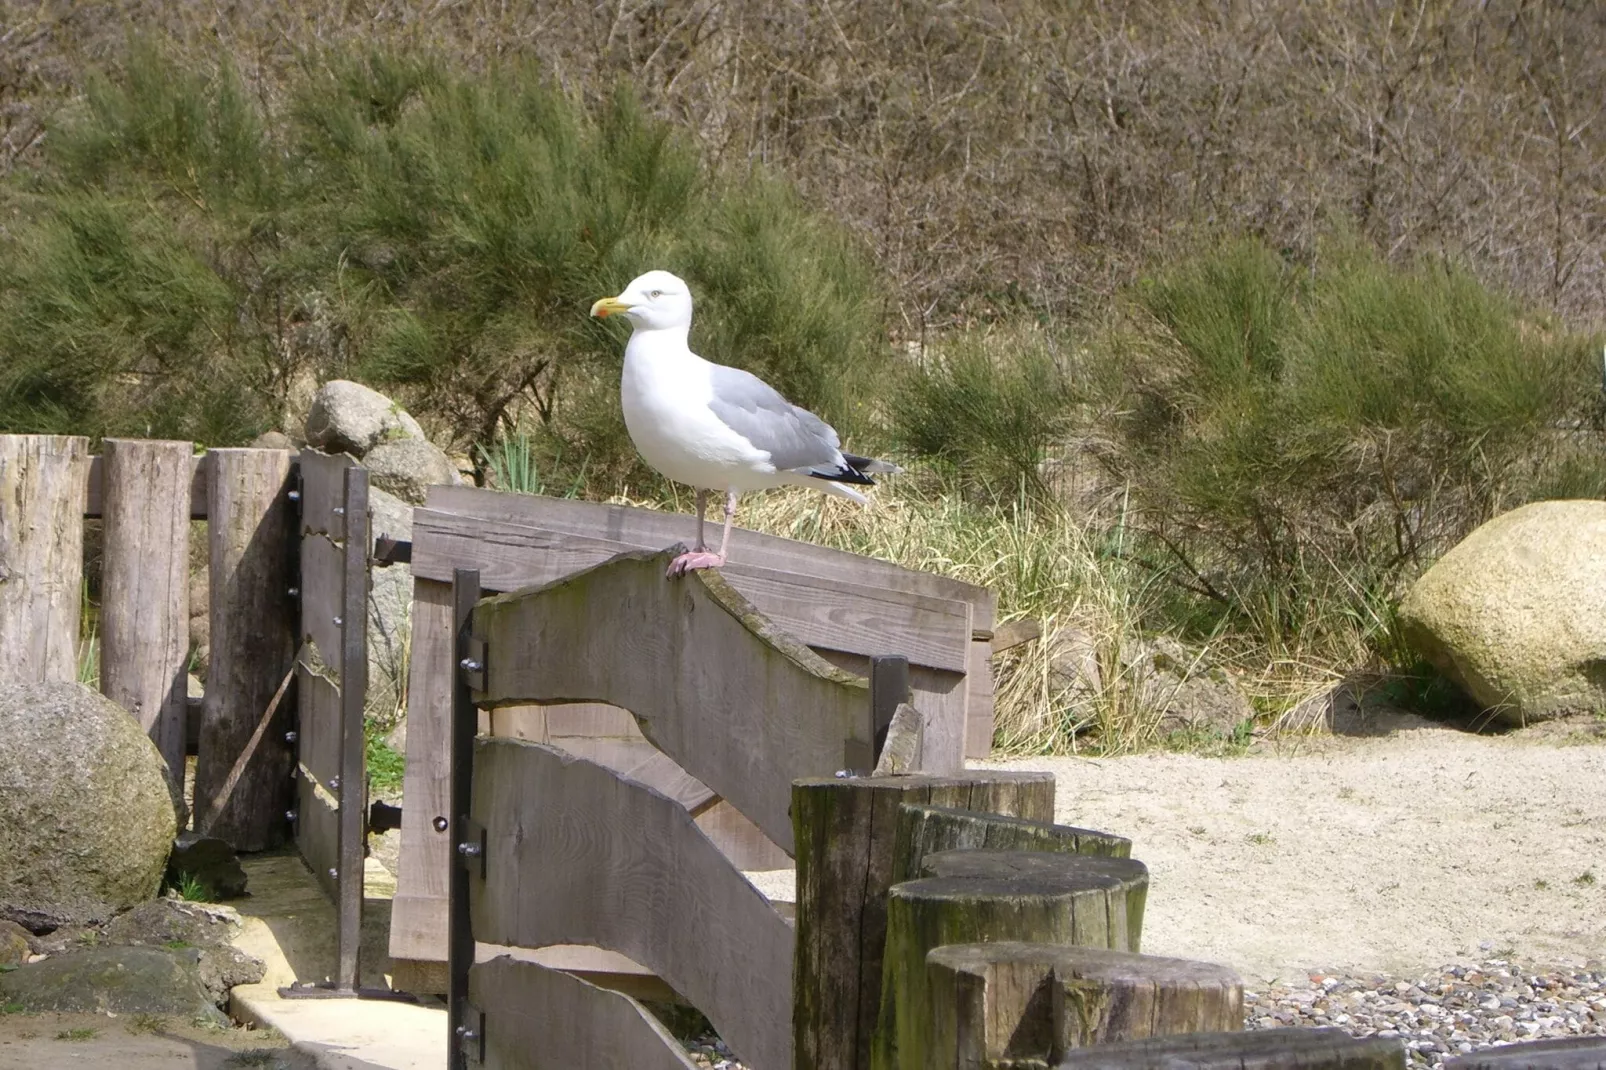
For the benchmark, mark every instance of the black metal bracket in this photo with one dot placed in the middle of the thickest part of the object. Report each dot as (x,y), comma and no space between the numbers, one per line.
(389,551)
(471,847)
(383,817)
(469,1033)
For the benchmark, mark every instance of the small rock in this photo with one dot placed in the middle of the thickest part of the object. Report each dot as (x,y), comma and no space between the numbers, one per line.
(112,980)
(272,440)
(16,944)
(408,467)
(347,417)
(209,860)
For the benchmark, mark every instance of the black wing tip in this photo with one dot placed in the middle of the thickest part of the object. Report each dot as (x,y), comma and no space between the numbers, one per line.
(845,474)
(870,464)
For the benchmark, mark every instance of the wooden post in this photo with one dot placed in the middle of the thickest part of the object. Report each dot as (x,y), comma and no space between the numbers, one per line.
(465,1030)
(252,540)
(42,481)
(845,831)
(1016,1001)
(1262,1049)
(926,830)
(145,596)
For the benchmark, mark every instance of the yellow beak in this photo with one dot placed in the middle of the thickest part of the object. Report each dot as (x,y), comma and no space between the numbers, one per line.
(609,306)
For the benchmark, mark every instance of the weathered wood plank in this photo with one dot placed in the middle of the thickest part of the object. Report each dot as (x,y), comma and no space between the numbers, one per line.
(418,915)
(979,701)
(926,830)
(95,487)
(253,640)
(1262,1049)
(646,529)
(323,493)
(987,896)
(1017,1001)
(537,1017)
(318,728)
(822,611)
(845,831)
(1566,1053)
(735,702)
(41,555)
(145,593)
(317,833)
(322,598)
(576,854)
(737,838)
(940,698)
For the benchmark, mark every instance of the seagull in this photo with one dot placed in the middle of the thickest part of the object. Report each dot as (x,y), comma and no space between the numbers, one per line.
(712,427)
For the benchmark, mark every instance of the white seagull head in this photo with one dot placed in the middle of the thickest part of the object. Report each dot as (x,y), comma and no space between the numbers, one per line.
(654,301)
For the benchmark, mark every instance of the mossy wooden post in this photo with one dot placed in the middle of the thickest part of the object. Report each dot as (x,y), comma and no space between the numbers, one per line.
(42,481)
(926,830)
(845,832)
(1261,1049)
(145,596)
(985,896)
(252,530)
(1019,1001)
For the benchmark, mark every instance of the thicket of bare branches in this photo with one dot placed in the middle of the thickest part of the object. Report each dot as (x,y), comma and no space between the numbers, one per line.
(993,153)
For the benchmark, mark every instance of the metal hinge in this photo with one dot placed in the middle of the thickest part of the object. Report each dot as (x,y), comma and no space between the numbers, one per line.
(471,1032)
(471,846)
(473,666)
(389,551)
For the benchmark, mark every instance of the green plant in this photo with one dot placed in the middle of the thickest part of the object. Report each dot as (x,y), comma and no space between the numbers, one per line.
(386,765)
(11,1008)
(146,1023)
(1585,879)
(191,888)
(77,1034)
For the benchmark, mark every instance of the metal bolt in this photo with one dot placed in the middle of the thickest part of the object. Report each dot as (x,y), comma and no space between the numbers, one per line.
(468,849)
(339,622)
(289,815)
(470,665)
(289,737)
(340,510)
(334,874)
(465,1033)
(843,774)
(295,495)
(440,824)
(334,783)
(294,592)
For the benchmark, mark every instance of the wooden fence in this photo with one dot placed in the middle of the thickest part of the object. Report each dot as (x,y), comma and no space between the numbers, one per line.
(277,736)
(842,608)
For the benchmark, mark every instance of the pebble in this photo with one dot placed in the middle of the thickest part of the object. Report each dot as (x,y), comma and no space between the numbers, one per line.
(1438,1016)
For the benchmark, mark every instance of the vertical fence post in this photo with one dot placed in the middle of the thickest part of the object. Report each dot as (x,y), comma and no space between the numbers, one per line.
(465,1029)
(353,693)
(42,485)
(889,688)
(242,773)
(145,592)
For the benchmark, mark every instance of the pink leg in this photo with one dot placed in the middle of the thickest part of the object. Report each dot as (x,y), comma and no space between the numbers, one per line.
(701,558)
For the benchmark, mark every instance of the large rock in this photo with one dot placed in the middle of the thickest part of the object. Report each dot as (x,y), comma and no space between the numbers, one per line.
(116,980)
(86,813)
(390,610)
(201,930)
(348,417)
(1514,614)
(1184,688)
(408,467)
(15,944)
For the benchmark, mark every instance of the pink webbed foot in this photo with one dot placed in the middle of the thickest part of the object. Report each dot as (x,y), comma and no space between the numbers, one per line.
(694,559)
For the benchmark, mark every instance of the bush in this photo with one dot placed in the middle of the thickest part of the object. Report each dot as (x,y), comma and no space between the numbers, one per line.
(1299,441)
(188,255)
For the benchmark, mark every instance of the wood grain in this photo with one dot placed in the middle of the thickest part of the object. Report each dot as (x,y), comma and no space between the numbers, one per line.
(322,595)
(925,830)
(1262,1049)
(988,896)
(537,1018)
(576,854)
(41,555)
(94,487)
(145,591)
(979,701)
(253,644)
(647,529)
(1017,1001)
(820,610)
(735,702)
(318,726)
(845,830)
(940,698)
(318,833)
(418,914)
(323,490)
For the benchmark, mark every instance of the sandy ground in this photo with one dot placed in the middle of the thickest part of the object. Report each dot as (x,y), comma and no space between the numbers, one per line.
(75,1041)
(1414,850)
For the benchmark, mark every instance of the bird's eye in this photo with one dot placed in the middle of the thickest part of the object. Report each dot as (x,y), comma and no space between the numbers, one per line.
(656,293)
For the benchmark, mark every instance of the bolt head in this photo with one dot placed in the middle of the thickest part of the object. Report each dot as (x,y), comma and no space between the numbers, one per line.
(289,737)
(334,783)
(339,622)
(470,665)
(334,874)
(289,815)
(440,824)
(295,495)
(340,510)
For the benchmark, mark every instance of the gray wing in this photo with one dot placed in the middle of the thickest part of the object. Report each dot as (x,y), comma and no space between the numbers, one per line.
(793,437)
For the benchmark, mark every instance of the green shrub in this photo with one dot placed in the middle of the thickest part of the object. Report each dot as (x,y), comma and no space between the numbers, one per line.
(188,254)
